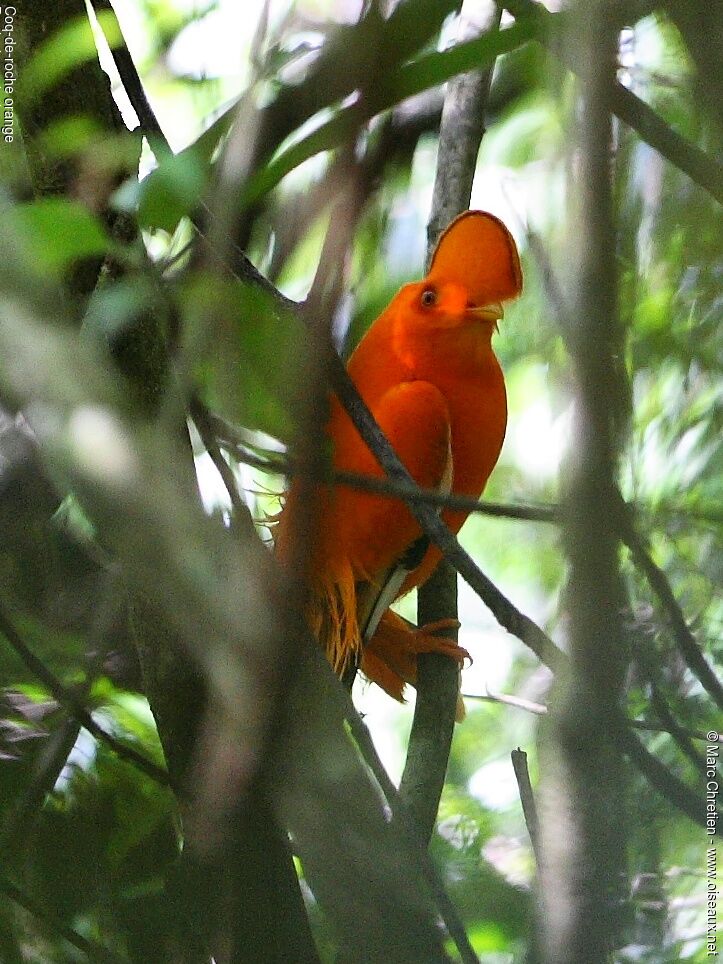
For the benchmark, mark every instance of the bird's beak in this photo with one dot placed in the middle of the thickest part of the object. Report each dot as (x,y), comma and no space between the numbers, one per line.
(493,312)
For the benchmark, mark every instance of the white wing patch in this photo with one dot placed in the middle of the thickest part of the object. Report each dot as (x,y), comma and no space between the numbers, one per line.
(373,599)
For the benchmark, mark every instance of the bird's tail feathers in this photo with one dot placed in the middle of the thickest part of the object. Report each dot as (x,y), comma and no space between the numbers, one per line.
(332,617)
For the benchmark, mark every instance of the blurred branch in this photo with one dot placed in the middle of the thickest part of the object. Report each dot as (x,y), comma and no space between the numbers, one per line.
(16,832)
(703,169)
(241,515)
(665,782)
(672,727)
(527,798)
(68,699)
(700,167)
(695,21)
(583,832)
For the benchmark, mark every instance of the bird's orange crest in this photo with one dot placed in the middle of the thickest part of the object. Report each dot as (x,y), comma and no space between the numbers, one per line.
(479,252)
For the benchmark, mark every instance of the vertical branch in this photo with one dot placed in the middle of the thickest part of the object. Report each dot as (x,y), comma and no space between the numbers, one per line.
(583,838)
(239,878)
(460,134)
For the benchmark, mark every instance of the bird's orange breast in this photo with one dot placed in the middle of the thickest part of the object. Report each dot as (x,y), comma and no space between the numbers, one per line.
(469,379)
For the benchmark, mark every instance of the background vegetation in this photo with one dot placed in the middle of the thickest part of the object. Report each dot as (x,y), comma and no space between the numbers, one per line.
(164,717)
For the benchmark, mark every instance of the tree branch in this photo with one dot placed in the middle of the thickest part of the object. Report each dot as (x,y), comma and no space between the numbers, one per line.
(582,830)
(540,709)
(430,739)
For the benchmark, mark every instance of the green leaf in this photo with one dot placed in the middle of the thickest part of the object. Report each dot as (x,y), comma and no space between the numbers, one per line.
(69,135)
(251,371)
(58,232)
(172,191)
(429,71)
(65,50)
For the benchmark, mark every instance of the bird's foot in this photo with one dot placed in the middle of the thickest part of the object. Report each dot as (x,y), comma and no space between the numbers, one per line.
(424,640)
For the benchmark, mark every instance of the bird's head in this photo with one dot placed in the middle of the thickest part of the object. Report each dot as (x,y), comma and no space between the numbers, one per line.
(474,269)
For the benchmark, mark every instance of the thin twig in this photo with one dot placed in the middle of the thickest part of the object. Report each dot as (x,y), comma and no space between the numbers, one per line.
(228,437)
(16,833)
(539,709)
(527,798)
(241,514)
(133,87)
(17,828)
(676,731)
(67,699)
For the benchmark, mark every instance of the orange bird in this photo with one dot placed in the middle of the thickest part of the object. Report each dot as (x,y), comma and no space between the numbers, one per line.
(427,371)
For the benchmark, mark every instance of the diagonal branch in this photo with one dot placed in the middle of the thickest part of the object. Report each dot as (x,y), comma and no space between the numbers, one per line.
(684,638)
(503,610)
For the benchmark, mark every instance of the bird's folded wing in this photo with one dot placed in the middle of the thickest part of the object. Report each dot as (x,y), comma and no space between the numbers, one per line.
(364,533)
(414,418)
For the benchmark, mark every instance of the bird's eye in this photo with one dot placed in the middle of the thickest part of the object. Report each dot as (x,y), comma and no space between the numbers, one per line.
(429,297)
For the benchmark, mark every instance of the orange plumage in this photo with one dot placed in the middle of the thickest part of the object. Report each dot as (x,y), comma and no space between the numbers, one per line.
(427,371)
